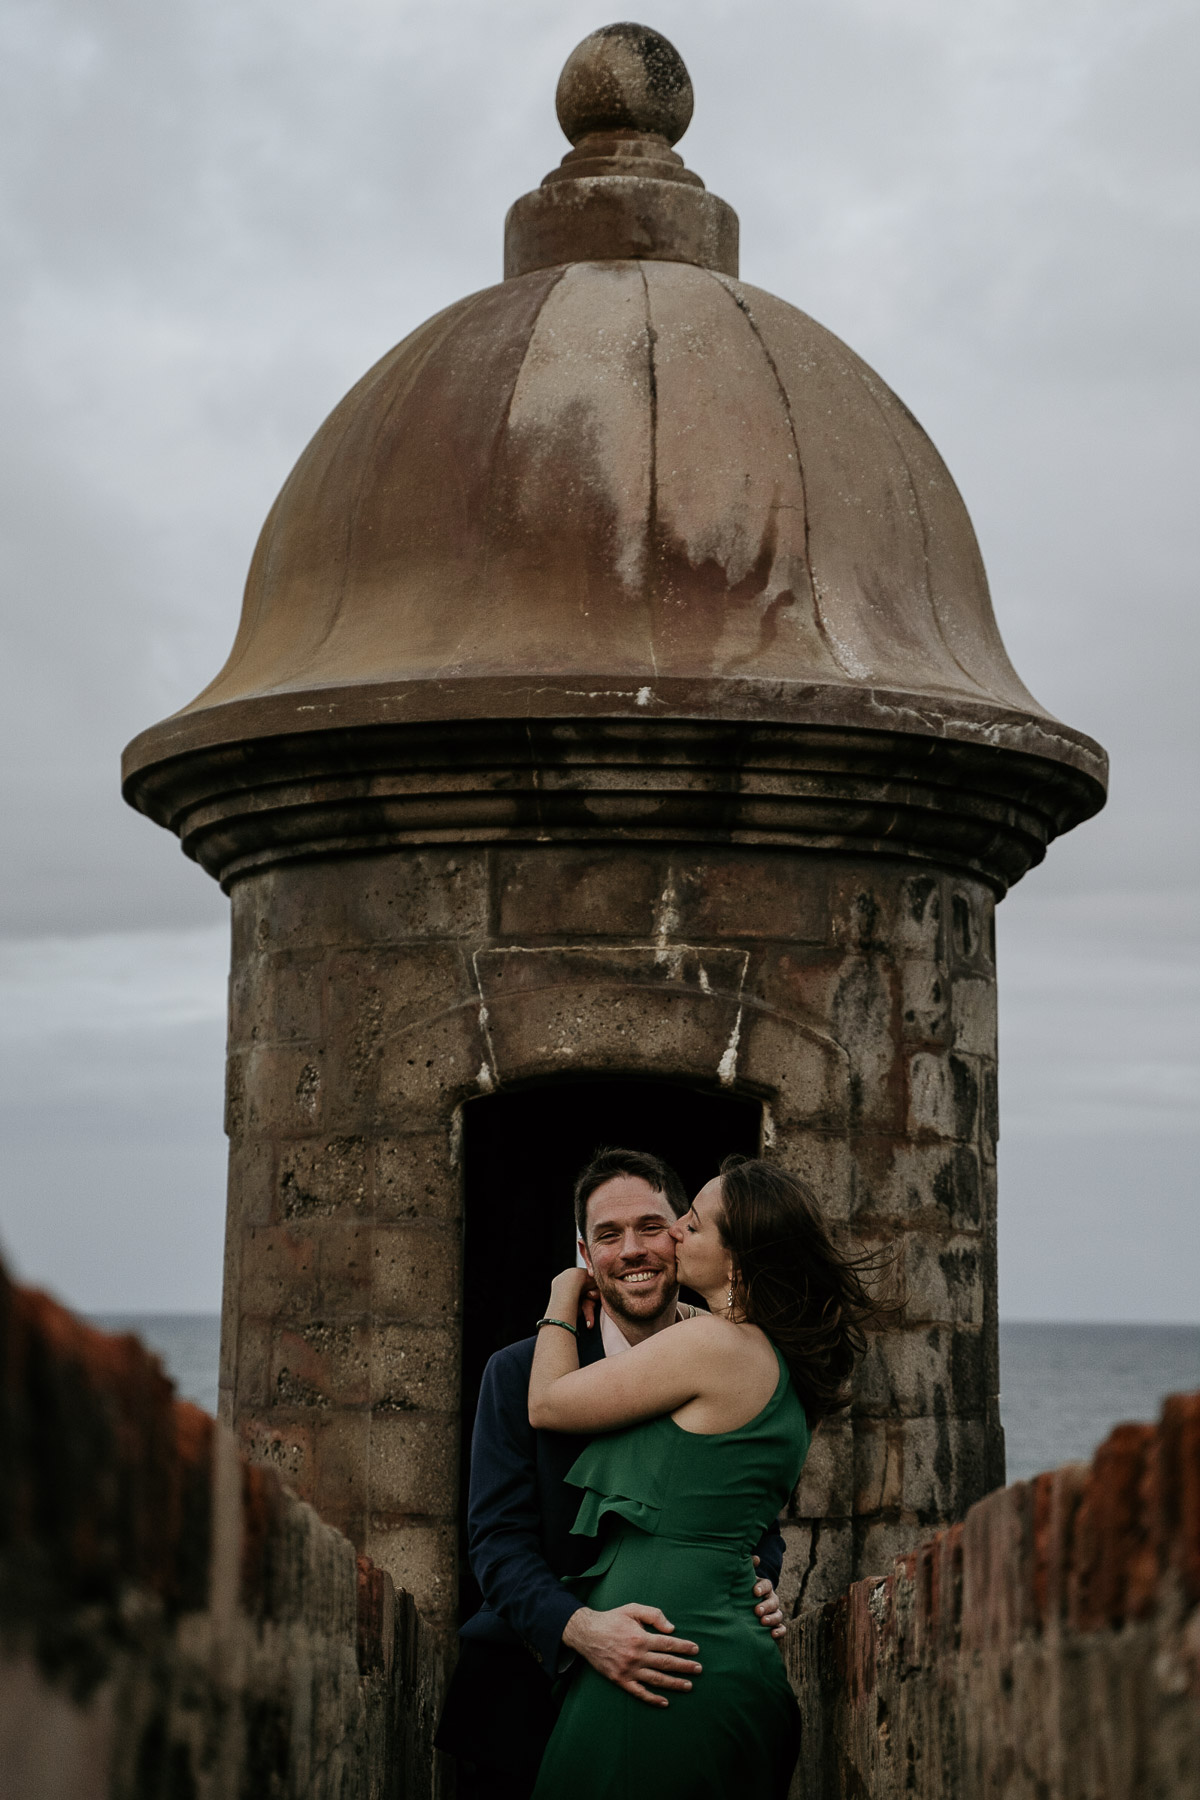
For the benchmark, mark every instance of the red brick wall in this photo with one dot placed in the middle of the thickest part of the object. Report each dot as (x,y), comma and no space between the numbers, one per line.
(172,1620)
(1047,1647)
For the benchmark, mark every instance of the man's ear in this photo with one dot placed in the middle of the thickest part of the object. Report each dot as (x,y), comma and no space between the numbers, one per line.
(582,1253)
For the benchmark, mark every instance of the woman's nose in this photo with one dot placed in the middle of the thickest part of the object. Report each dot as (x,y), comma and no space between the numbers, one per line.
(676,1232)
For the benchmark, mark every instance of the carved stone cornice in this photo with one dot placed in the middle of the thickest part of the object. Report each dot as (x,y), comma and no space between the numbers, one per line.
(982,795)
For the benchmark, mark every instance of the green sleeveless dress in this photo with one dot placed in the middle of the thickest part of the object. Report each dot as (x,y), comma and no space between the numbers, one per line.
(682,1515)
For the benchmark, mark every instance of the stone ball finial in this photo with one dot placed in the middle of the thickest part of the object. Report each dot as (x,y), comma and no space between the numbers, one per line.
(624,78)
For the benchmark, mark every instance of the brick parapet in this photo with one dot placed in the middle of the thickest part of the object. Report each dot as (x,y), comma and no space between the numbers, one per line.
(172,1619)
(1046,1648)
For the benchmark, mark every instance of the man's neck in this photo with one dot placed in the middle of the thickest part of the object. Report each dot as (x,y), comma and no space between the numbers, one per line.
(636,1331)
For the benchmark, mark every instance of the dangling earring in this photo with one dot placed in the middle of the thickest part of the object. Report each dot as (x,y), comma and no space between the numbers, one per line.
(729,1302)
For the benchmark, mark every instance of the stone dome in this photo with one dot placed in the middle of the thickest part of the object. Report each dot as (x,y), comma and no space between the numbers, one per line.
(620,485)
(621,473)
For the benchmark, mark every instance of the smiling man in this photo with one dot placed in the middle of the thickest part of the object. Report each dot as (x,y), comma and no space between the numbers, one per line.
(624,1227)
(500,1708)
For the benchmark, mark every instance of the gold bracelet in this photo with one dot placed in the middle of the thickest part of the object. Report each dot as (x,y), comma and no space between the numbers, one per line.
(571,1328)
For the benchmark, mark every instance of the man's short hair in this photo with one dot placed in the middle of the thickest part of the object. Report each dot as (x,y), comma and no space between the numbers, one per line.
(609,1162)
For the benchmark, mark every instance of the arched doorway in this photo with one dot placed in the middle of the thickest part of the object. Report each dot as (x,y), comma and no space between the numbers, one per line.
(521,1153)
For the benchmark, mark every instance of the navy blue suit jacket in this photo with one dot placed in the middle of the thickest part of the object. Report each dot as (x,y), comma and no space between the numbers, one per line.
(521,1510)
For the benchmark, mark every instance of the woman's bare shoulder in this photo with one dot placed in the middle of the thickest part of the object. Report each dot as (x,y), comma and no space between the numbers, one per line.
(698,1321)
(705,1329)
(733,1344)
(693,1336)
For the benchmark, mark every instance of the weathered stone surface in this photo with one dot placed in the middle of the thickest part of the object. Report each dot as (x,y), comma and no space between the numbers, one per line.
(433,894)
(280,1091)
(924,1370)
(341,1444)
(941,1457)
(757,900)
(172,1620)
(252,1196)
(426,1551)
(417,1457)
(416,1178)
(805,1070)
(349,1250)
(879,1539)
(944,1278)
(277,1272)
(819,1560)
(282,1444)
(612,1027)
(321,1177)
(825,1484)
(974,1017)
(925,1004)
(575,892)
(319,1362)
(935,1189)
(299,996)
(416,1273)
(414,1369)
(797,1544)
(821,1157)
(1048,1648)
(878,1467)
(424,1072)
(944,1096)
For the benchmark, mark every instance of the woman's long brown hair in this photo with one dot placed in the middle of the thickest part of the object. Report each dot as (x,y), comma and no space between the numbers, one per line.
(792,1281)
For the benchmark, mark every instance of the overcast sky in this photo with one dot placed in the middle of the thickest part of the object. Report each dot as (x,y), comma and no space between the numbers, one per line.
(215,214)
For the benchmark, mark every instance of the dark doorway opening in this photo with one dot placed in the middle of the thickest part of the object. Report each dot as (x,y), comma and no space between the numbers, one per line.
(521,1154)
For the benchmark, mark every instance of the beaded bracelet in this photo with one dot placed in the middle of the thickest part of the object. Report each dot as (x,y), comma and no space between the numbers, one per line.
(571,1328)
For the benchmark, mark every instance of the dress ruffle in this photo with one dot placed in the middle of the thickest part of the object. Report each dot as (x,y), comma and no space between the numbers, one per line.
(626,1485)
(594,1506)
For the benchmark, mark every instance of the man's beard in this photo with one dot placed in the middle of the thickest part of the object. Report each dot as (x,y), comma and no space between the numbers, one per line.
(617,1297)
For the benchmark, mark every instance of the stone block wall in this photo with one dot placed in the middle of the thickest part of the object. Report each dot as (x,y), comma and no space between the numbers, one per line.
(853,998)
(1047,1648)
(172,1621)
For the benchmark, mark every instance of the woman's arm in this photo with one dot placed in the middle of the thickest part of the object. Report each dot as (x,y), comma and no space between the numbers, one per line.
(649,1379)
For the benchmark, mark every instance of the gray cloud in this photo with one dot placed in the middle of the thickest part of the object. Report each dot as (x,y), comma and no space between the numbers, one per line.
(111,1064)
(215,216)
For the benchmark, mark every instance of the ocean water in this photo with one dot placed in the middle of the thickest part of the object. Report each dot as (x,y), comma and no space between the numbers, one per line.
(1063,1387)
(188,1343)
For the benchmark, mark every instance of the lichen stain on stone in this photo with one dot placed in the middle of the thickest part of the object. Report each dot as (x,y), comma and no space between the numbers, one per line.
(579,425)
(308,1087)
(707,617)
(727,1067)
(922,894)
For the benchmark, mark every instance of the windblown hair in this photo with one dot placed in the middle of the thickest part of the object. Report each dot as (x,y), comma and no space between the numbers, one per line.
(609,1162)
(790,1279)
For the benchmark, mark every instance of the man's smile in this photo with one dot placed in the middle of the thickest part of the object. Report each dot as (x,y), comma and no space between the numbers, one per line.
(640,1275)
